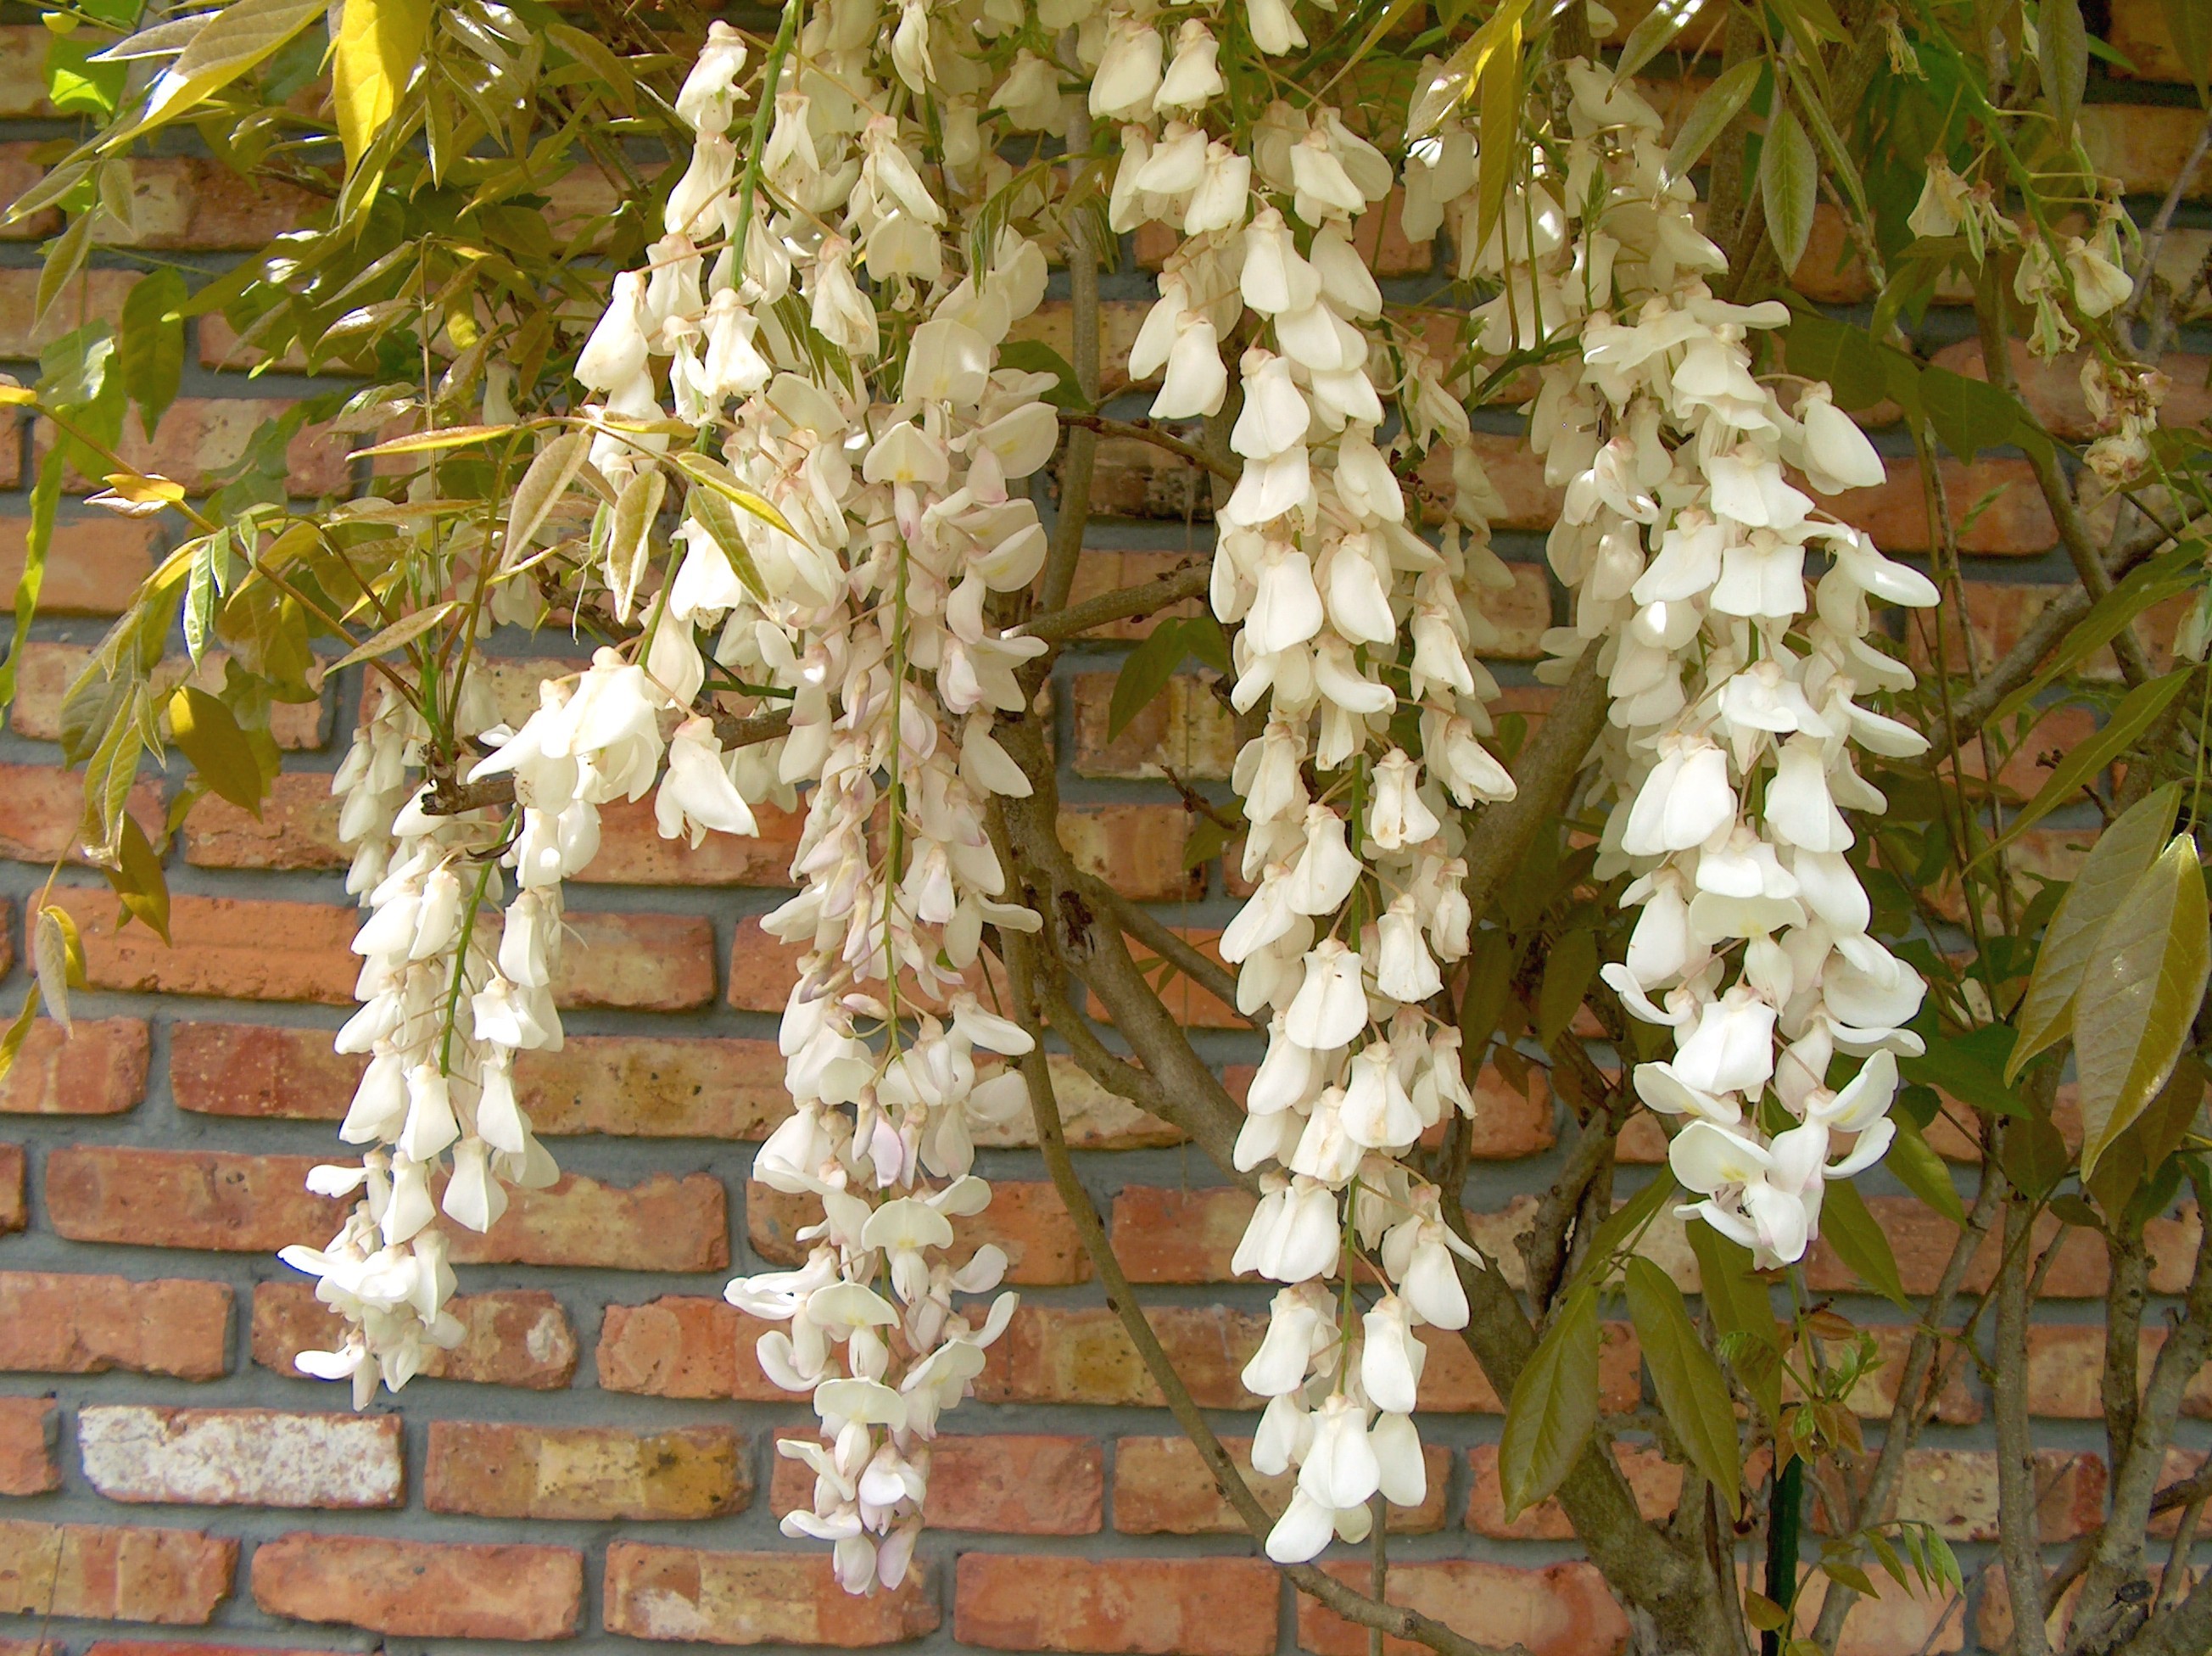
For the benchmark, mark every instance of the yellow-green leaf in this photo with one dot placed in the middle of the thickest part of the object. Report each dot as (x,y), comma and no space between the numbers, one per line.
(405,631)
(232,41)
(380,43)
(1686,1378)
(58,959)
(1859,1242)
(2122,855)
(1714,108)
(420,442)
(1790,185)
(719,479)
(706,509)
(203,727)
(1554,1406)
(2130,719)
(542,486)
(2144,983)
(138,879)
(2065,42)
(1568,970)
(1500,151)
(631,538)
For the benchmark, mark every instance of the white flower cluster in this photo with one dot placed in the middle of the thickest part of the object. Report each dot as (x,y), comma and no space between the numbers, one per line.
(1360,639)
(1736,691)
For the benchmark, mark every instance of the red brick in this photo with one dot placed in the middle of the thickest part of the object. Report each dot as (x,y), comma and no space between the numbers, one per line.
(50,669)
(95,296)
(18,172)
(29,1427)
(679,1347)
(1025,1219)
(298,828)
(15,1209)
(1453,1383)
(1563,1610)
(637,962)
(686,1596)
(1080,1354)
(241,1457)
(174,1577)
(1898,1623)
(1161,1487)
(588,1472)
(1956,1491)
(1100,571)
(1178,1236)
(99,1069)
(1006,1485)
(57,1323)
(1656,1480)
(167,1648)
(1922,1242)
(2066,1365)
(1895,512)
(22,71)
(180,201)
(93,564)
(200,438)
(238,948)
(624,1085)
(512,1336)
(1193,1007)
(45,811)
(662,1223)
(419,1588)
(186,1199)
(1145,1606)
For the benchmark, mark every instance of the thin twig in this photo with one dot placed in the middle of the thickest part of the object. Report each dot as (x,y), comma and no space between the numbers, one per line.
(1121,604)
(1145,431)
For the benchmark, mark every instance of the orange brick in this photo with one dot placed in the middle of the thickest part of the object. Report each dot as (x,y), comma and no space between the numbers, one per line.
(14,1211)
(46,813)
(495,1470)
(686,1596)
(2139,34)
(59,1323)
(1145,1606)
(29,1427)
(1895,513)
(49,670)
(1136,848)
(189,202)
(99,1069)
(1006,1485)
(1564,1611)
(421,1588)
(1025,1219)
(175,1577)
(1162,1487)
(679,1347)
(1656,1480)
(510,1336)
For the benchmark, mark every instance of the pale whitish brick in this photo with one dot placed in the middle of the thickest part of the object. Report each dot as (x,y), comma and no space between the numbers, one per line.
(241,1457)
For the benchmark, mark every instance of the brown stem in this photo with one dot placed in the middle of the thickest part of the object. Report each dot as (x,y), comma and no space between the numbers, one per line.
(1052,1138)
(1121,604)
(1163,941)
(1145,431)
(2018,1533)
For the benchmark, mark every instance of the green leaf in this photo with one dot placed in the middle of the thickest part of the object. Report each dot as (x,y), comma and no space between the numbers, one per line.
(2167,575)
(2065,61)
(151,345)
(232,41)
(1969,1067)
(204,728)
(65,257)
(77,86)
(2144,983)
(1568,970)
(405,631)
(139,881)
(1686,1378)
(38,540)
(2116,863)
(1850,1230)
(1922,1172)
(1553,1407)
(1624,1225)
(1833,148)
(1499,152)
(2138,1152)
(1716,107)
(612,72)
(1035,356)
(1737,1300)
(2188,25)
(1969,415)
(1650,38)
(2134,716)
(712,513)
(719,479)
(1490,968)
(379,45)
(2034,1156)
(1790,185)
(11,1047)
(1842,355)
(1144,674)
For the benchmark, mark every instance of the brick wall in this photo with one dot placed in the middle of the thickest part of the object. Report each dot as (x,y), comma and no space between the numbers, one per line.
(594,1462)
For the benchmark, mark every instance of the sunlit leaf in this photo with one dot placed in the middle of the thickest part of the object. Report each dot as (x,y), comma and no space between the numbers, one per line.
(152,343)
(2144,982)
(403,631)
(713,512)
(378,44)
(139,881)
(719,477)
(58,959)
(1716,107)
(203,727)
(543,484)
(419,443)
(233,41)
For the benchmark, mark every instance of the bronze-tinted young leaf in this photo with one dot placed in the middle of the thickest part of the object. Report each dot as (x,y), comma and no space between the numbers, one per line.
(139,881)
(1686,1377)
(204,728)
(2034,1156)
(1553,1407)
(1790,185)
(2139,995)
(1859,1242)
(712,512)
(2121,857)
(548,478)
(631,537)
